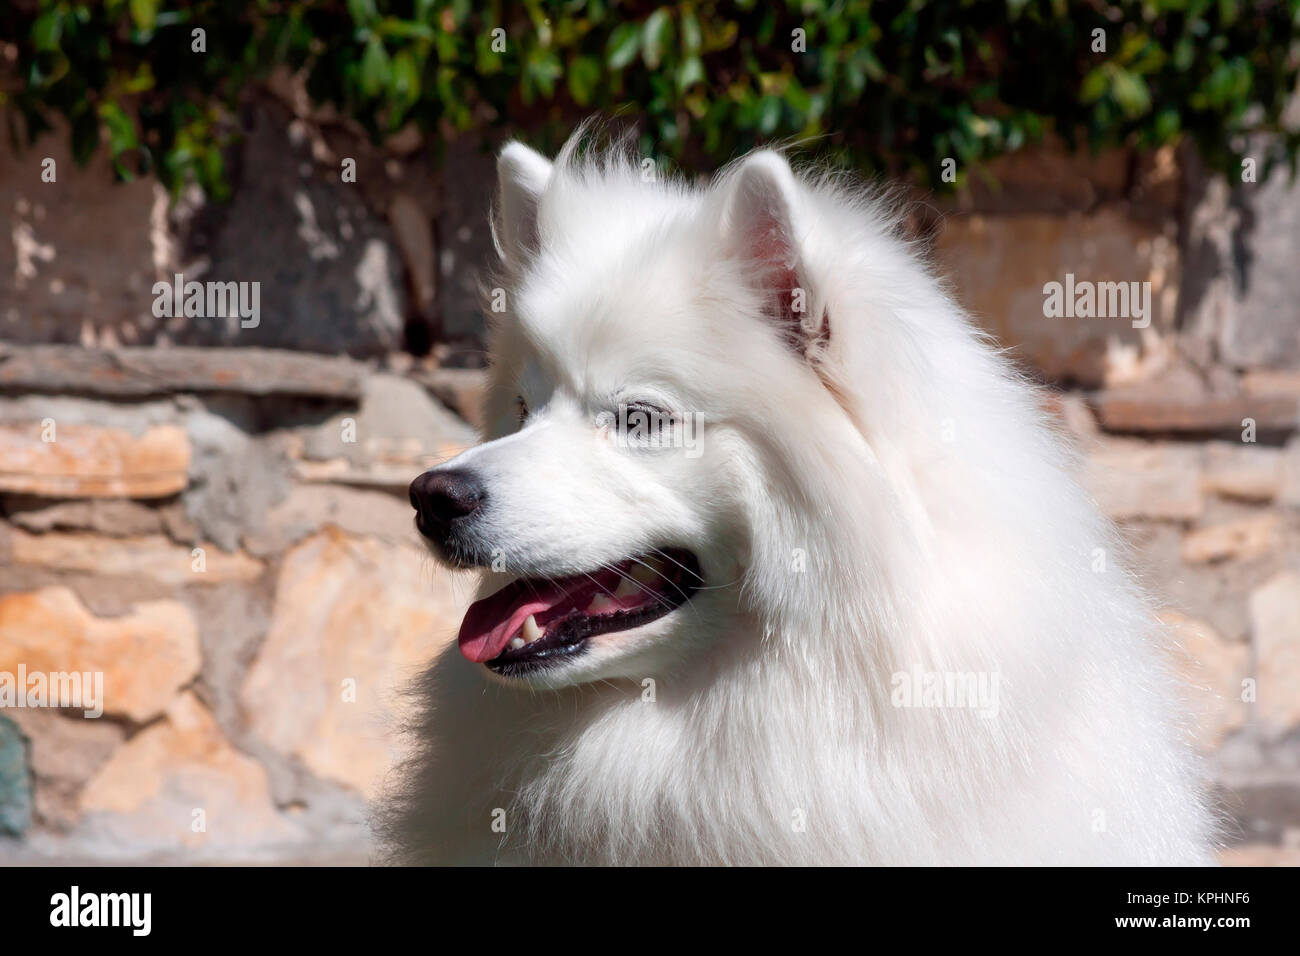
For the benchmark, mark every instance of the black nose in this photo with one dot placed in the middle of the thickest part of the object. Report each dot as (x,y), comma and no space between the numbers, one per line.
(445,494)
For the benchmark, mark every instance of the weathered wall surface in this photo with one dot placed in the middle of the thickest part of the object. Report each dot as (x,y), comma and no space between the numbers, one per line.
(240,566)
(223,532)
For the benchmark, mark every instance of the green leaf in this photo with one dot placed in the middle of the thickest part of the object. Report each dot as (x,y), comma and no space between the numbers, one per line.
(405,29)
(689,73)
(47,30)
(121,130)
(543,69)
(692,37)
(624,44)
(363,12)
(405,78)
(1131,93)
(487,61)
(712,77)
(376,68)
(1095,84)
(142,81)
(144,13)
(584,78)
(658,28)
(1167,125)
(798,99)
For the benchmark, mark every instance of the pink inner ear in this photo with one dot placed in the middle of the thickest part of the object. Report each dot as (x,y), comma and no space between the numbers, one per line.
(771,253)
(770,245)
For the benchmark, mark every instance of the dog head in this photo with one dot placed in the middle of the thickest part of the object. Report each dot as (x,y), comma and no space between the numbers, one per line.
(659,361)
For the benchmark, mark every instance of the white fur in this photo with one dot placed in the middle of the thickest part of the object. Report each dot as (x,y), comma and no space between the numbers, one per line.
(940,524)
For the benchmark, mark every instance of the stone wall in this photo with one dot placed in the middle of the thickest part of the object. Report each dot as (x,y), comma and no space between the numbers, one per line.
(217,520)
(224,534)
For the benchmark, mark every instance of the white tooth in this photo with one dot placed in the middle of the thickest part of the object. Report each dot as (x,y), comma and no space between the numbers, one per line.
(516,643)
(601,603)
(626,588)
(530,630)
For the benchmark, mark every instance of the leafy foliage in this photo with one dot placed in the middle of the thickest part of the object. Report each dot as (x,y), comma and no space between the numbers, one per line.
(890,86)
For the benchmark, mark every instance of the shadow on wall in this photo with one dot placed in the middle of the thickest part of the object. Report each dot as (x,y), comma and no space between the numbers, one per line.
(379,264)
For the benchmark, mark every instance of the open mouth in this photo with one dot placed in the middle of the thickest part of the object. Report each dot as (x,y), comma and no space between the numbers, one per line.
(537,622)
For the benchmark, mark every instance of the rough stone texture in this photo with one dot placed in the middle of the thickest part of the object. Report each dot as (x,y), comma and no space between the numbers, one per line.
(15,787)
(237,476)
(1000,265)
(1240,539)
(1245,472)
(86,461)
(146,796)
(79,263)
(1262,806)
(1267,381)
(137,372)
(66,751)
(386,476)
(1133,479)
(232,620)
(330,275)
(465,252)
(346,609)
(1289,486)
(1047,179)
(398,432)
(145,657)
(1214,592)
(397,421)
(1149,407)
(413,234)
(1260,854)
(1275,622)
(309,508)
(1241,286)
(134,417)
(153,556)
(105,516)
(1206,301)
(77,256)
(1266,327)
(460,389)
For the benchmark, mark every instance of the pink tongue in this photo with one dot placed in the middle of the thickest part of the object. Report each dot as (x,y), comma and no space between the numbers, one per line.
(490,623)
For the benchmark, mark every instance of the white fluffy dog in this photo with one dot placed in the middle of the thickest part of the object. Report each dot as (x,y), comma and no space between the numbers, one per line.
(782,563)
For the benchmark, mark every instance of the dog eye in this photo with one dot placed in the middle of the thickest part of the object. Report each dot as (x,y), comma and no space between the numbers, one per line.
(644,418)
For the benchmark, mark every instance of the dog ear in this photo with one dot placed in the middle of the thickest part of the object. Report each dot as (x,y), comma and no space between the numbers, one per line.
(760,228)
(522,174)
